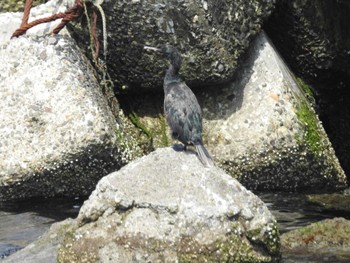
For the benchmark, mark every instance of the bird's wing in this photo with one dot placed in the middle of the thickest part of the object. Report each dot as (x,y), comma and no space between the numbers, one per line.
(183,113)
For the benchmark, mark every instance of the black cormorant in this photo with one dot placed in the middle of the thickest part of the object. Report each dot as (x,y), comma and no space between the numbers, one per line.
(181,107)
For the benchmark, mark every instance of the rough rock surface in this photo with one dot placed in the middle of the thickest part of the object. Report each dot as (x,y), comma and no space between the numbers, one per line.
(167,207)
(57,133)
(212,35)
(324,241)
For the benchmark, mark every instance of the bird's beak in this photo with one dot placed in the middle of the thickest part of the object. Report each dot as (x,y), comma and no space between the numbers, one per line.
(152,48)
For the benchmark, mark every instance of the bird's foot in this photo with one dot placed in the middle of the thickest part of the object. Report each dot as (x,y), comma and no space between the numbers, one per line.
(179,147)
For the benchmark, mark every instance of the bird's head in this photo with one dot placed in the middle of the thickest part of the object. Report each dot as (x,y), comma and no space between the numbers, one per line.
(169,52)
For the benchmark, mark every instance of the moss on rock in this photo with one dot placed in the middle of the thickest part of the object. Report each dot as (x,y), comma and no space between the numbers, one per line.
(312,135)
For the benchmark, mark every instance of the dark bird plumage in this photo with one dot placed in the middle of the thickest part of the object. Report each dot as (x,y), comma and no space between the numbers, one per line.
(181,108)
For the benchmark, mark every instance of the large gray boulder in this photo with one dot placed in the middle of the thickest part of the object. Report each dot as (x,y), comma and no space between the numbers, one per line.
(212,35)
(57,133)
(167,207)
(263,130)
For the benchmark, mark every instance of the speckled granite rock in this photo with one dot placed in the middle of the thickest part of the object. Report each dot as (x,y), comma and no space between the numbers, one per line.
(57,133)
(262,129)
(212,35)
(166,207)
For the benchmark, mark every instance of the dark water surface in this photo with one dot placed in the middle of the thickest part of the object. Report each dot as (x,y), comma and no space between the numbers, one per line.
(22,223)
(292,210)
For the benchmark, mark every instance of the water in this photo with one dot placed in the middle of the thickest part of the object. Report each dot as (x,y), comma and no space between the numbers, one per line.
(292,210)
(22,223)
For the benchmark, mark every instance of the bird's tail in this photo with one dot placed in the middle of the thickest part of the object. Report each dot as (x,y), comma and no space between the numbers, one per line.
(204,155)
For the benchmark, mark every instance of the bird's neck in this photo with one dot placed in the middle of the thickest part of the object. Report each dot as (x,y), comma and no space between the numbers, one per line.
(172,75)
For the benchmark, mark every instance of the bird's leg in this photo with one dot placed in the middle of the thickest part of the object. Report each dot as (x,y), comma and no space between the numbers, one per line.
(185,147)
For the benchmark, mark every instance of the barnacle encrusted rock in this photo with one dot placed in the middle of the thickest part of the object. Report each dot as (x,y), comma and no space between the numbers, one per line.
(212,36)
(167,207)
